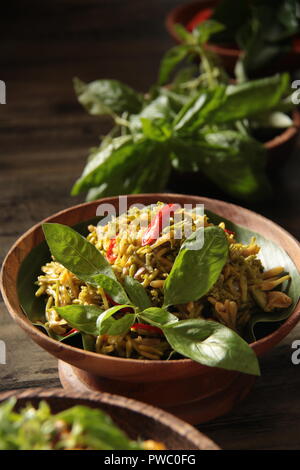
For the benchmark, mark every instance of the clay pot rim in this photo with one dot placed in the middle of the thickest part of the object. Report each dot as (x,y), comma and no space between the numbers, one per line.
(181,428)
(42,338)
(287,134)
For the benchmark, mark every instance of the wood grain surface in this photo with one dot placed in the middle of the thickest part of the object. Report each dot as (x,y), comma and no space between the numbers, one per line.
(44,139)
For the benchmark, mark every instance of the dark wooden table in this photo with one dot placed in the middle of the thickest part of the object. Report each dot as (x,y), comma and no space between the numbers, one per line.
(44,139)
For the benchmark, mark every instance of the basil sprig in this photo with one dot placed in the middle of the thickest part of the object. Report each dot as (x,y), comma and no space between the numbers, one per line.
(186,122)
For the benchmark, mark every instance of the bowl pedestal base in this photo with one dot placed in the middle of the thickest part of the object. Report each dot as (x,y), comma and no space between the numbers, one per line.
(198,410)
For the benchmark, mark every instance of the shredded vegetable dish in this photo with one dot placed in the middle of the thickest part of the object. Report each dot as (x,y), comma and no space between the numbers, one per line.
(76,428)
(149,286)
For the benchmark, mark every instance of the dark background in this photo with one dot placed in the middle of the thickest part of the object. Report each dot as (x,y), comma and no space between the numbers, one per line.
(44,140)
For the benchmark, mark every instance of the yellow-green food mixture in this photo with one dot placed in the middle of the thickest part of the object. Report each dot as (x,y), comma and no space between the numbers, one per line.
(242,288)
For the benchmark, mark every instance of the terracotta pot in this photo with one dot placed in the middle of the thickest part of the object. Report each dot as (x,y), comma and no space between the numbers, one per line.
(188,389)
(137,420)
(229,53)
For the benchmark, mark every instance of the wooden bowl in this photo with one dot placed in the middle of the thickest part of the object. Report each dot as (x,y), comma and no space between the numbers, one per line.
(136,419)
(229,53)
(186,388)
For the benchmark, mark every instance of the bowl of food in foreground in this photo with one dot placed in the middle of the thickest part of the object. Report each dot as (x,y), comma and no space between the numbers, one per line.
(37,419)
(170,301)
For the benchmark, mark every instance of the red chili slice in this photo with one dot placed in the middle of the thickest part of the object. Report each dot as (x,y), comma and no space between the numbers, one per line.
(158,223)
(229,231)
(111,257)
(199,18)
(74,330)
(143,326)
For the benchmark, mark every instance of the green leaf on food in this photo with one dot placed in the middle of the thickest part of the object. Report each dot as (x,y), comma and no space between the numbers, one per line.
(106,315)
(197,266)
(112,287)
(76,253)
(212,344)
(82,317)
(88,342)
(117,327)
(107,97)
(159,317)
(92,320)
(137,293)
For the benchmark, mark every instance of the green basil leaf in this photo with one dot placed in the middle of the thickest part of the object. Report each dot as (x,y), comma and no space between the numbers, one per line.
(159,109)
(174,95)
(99,431)
(158,317)
(155,130)
(136,167)
(137,293)
(107,97)
(75,253)
(183,33)
(206,29)
(88,342)
(108,325)
(212,344)
(197,111)
(170,60)
(289,16)
(186,153)
(195,271)
(236,163)
(118,327)
(249,98)
(102,163)
(112,287)
(108,313)
(82,317)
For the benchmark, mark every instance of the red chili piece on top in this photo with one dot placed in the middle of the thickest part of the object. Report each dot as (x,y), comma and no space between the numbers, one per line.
(143,326)
(229,232)
(111,257)
(70,332)
(158,223)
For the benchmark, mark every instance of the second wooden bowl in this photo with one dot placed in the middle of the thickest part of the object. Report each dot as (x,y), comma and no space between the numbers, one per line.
(188,389)
(137,420)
